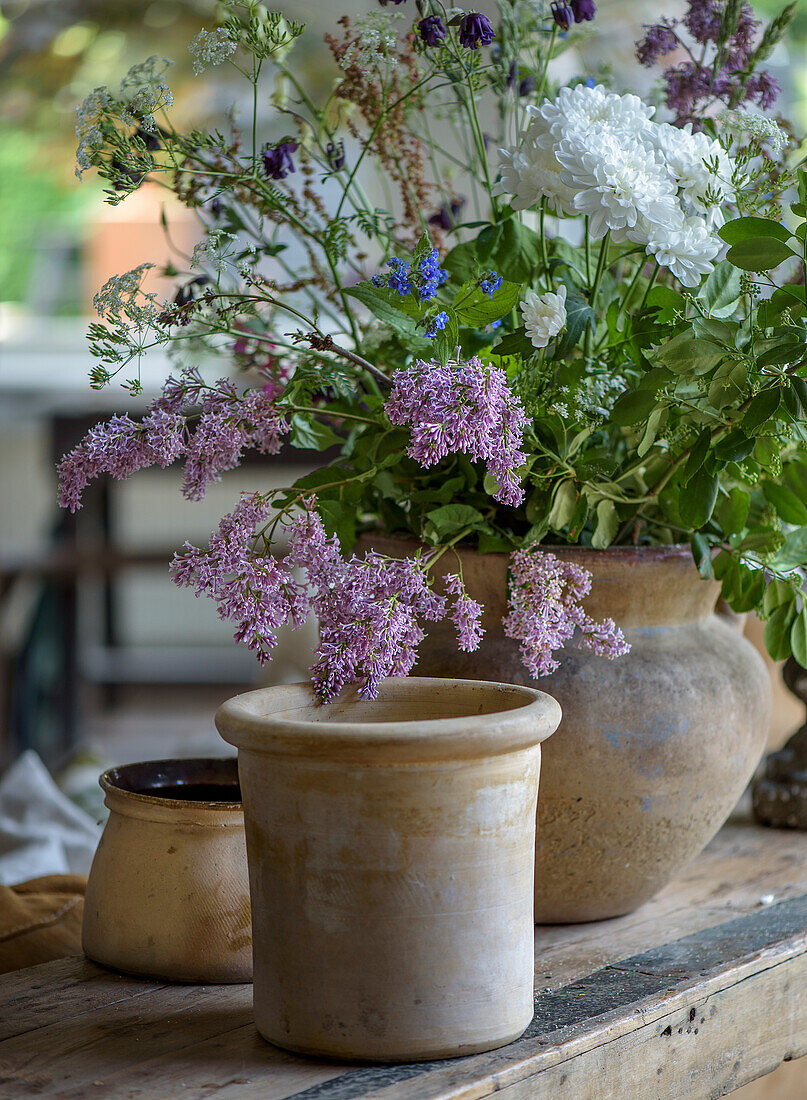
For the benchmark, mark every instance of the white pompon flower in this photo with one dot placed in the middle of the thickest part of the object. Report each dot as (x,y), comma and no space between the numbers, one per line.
(701,167)
(687,252)
(617,182)
(581,109)
(531,173)
(544,315)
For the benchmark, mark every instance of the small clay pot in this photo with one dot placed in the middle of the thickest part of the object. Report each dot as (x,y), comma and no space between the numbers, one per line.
(391,850)
(168,892)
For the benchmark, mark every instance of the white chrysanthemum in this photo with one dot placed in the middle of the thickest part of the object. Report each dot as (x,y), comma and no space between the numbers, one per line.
(687,252)
(530,174)
(581,109)
(701,167)
(544,315)
(616,182)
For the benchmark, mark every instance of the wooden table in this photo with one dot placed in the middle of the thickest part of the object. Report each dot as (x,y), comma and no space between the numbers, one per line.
(697,993)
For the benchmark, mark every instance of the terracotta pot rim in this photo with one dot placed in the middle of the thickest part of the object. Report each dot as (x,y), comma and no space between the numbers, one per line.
(110,783)
(254,720)
(661,552)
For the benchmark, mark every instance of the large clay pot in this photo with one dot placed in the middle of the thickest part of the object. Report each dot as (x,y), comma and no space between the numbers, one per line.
(168,892)
(654,748)
(391,864)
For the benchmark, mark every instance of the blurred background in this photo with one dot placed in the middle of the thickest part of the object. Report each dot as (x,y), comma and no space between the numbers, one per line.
(99,652)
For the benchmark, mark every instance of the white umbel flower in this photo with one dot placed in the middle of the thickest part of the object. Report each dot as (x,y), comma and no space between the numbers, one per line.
(616,182)
(701,167)
(687,252)
(544,315)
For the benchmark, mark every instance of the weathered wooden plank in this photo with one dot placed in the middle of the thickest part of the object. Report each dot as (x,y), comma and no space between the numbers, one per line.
(28,997)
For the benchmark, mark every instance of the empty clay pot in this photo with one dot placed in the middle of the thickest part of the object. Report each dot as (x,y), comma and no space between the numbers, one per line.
(391,863)
(168,892)
(654,749)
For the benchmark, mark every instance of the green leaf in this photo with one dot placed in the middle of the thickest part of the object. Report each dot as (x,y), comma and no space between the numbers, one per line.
(607,525)
(762,407)
(735,447)
(793,552)
(799,387)
(310,434)
(729,385)
(777,631)
(697,456)
(563,506)
(493,544)
(684,354)
(702,553)
(776,593)
(789,507)
(445,343)
(697,502)
(759,254)
(515,343)
(649,437)
(744,229)
(732,511)
(667,302)
(721,291)
(579,315)
(798,638)
(633,406)
(339,519)
(478,310)
(447,521)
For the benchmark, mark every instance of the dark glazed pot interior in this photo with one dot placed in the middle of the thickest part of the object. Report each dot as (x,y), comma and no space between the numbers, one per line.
(203,781)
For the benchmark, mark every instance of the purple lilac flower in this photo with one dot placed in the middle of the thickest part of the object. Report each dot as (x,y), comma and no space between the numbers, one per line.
(436,324)
(431,30)
(257,592)
(545,611)
(659,41)
(462,407)
(368,610)
(277,160)
(583,10)
(119,447)
(562,14)
(475,31)
(490,283)
(448,215)
(763,89)
(226,428)
(465,614)
(227,424)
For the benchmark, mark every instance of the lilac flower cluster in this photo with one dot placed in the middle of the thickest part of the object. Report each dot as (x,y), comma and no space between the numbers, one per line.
(465,407)
(545,611)
(259,593)
(369,608)
(225,426)
(423,281)
(691,84)
(466,614)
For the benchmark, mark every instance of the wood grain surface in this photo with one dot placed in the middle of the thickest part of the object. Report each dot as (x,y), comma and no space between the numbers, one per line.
(694,995)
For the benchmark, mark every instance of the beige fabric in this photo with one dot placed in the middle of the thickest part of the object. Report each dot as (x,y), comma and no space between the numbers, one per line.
(40,920)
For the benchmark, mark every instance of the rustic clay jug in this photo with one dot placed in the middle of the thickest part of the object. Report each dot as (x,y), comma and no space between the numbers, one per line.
(391,864)
(168,892)
(654,749)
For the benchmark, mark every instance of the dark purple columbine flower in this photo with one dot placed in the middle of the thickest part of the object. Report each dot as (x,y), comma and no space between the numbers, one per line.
(431,30)
(448,215)
(475,31)
(277,162)
(562,14)
(335,152)
(583,10)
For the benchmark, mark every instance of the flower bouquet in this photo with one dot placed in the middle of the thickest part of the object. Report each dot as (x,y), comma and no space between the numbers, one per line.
(525,314)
